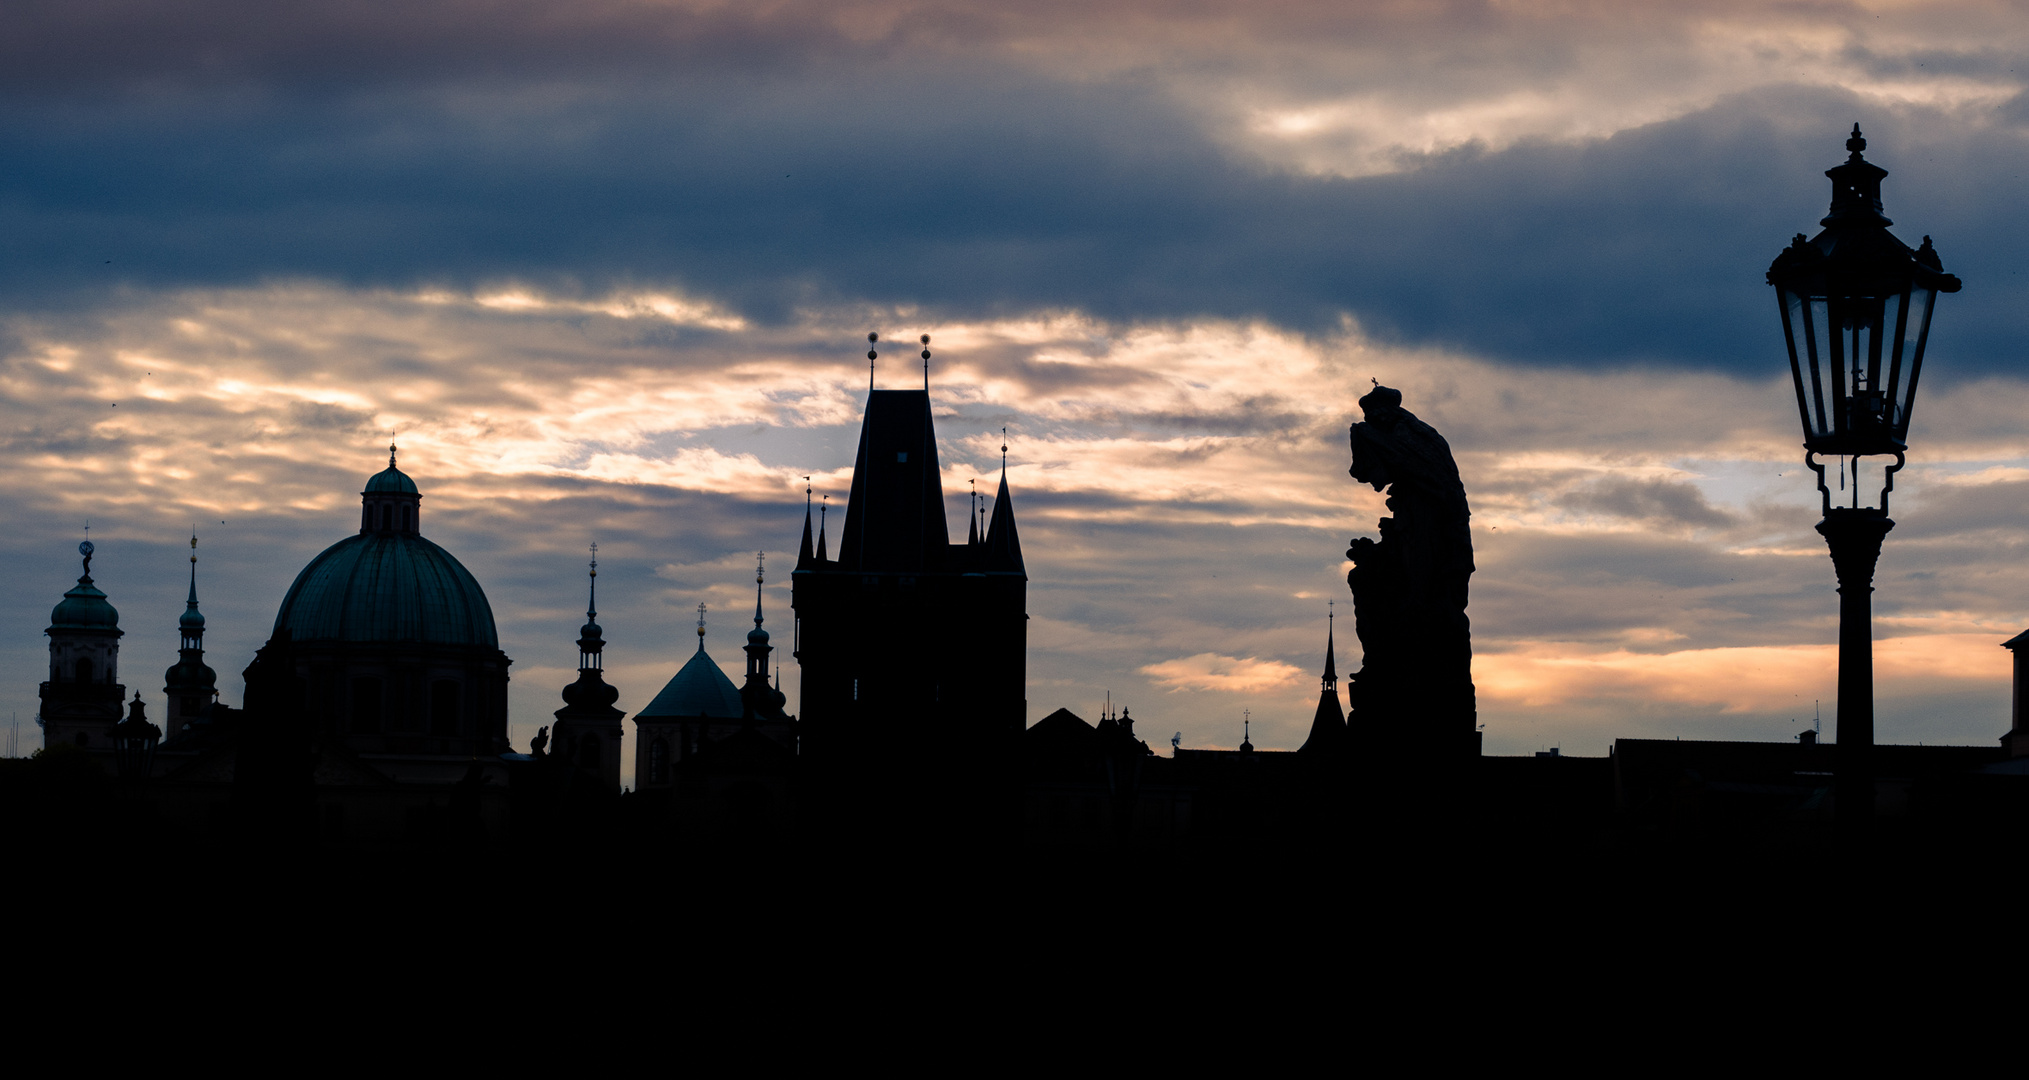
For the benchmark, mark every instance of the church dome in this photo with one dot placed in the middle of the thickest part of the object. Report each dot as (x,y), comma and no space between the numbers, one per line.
(390,481)
(699,688)
(84,607)
(388,587)
(191,619)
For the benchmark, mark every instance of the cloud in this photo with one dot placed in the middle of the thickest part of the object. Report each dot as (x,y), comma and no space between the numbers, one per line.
(1211,671)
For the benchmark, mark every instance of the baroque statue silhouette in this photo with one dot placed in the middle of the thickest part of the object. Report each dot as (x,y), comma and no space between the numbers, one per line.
(1413,693)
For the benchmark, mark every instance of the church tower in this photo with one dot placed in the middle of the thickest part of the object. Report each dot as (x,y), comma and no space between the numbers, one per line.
(1329,736)
(913,649)
(588,726)
(189,687)
(82,699)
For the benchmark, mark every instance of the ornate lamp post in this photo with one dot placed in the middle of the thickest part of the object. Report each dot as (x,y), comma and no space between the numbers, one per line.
(1856,305)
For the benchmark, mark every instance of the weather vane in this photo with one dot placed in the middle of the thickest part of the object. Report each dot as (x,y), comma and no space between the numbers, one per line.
(872,355)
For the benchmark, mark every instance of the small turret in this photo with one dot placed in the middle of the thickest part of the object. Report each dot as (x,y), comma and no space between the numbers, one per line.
(391,503)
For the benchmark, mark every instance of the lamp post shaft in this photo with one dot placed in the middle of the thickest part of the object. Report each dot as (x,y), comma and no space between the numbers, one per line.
(1854,536)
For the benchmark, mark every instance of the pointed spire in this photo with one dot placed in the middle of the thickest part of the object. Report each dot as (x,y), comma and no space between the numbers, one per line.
(1247,731)
(1329,734)
(191,624)
(1003,543)
(592,590)
(972,515)
(822,509)
(760,574)
(1331,671)
(803,553)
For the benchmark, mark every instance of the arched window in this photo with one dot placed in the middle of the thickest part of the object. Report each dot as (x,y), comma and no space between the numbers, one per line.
(658,762)
(444,707)
(84,669)
(588,750)
(366,701)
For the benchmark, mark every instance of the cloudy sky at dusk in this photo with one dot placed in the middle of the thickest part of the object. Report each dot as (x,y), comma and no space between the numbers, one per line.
(607,267)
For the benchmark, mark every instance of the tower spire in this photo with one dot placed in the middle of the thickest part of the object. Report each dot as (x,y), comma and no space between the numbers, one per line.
(592,590)
(926,363)
(1329,734)
(822,507)
(972,515)
(700,626)
(872,355)
(760,568)
(1331,673)
(803,552)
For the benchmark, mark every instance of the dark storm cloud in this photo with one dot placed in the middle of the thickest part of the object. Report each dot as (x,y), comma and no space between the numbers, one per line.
(964,191)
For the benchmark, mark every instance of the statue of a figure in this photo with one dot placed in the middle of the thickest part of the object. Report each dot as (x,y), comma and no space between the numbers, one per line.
(1414,691)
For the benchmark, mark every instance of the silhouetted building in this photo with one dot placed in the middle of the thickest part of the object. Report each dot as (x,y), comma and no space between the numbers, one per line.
(588,730)
(81,701)
(2016,741)
(700,705)
(189,686)
(396,641)
(912,647)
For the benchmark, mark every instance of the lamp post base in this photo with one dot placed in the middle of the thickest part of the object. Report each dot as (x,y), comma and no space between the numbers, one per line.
(1854,535)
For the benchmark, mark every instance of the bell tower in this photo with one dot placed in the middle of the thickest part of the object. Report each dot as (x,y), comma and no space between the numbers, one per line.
(82,699)
(588,726)
(189,686)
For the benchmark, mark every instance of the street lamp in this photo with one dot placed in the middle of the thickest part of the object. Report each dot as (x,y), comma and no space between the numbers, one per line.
(1856,306)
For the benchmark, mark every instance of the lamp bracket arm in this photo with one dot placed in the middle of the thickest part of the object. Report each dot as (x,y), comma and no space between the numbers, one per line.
(1888,475)
(1816,466)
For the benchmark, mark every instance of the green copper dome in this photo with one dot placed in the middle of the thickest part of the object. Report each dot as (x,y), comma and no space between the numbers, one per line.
(390,479)
(388,587)
(699,688)
(84,607)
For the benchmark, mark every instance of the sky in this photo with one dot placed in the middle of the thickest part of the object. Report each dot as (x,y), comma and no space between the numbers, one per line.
(606,269)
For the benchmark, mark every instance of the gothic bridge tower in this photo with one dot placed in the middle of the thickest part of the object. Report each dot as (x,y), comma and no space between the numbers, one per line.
(913,648)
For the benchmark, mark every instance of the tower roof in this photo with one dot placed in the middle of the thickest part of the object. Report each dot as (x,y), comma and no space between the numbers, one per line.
(1328,730)
(84,607)
(390,480)
(894,518)
(1003,543)
(698,688)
